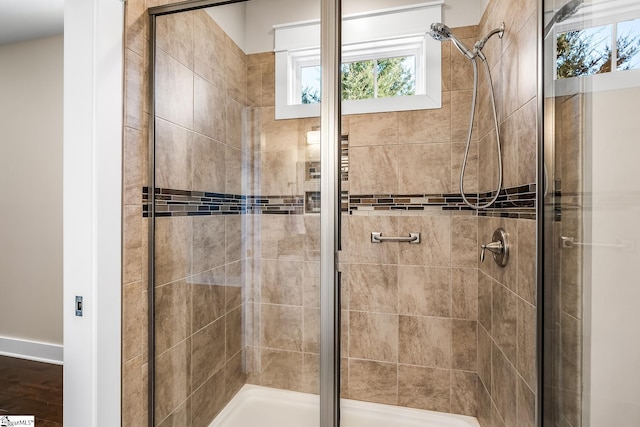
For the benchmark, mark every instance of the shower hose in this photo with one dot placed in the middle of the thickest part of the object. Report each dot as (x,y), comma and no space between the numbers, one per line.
(495,120)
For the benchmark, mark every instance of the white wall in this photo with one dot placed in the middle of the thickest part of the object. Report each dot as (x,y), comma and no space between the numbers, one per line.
(262,15)
(483,5)
(232,19)
(614,133)
(31,87)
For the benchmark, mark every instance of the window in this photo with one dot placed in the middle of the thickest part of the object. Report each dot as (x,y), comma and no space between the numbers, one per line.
(379,78)
(378,73)
(628,45)
(389,63)
(583,52)
(589,51)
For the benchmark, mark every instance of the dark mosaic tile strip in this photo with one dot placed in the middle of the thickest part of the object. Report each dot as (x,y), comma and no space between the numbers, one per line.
(514,202)
(508,214)
(171,202)
(517,202)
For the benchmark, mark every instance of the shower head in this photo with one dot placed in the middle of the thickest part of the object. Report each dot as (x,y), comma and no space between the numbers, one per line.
(568,10)
(564,13)
(441,33)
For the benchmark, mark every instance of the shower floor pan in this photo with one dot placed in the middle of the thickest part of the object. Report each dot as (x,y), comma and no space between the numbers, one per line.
(256,406)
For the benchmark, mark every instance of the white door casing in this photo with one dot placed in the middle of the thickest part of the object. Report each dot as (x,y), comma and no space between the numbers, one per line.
(92,177)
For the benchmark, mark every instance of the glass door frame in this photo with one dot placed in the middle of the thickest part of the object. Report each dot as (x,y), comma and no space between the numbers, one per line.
(330,193)
(541,220)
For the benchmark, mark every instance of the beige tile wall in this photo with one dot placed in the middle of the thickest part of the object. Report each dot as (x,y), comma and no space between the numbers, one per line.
(507,296)
(514,72)
(507,328)
(134,274)
(409,312)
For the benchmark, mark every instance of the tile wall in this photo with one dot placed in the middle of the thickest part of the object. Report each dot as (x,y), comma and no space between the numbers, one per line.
(409,311)
(507,296)
(135,227)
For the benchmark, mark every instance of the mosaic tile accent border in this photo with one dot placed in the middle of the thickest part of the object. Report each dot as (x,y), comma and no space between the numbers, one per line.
(407,202)
(514,202)
(171,202)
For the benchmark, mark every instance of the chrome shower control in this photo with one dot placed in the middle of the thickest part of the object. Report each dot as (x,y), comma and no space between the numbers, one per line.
(499,247)
(495,247)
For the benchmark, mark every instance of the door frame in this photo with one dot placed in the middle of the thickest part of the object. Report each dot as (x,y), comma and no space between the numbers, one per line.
(92,210)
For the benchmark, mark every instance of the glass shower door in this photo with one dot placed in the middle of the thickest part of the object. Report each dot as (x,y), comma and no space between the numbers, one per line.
(592,82)
(235,194)
(200,230)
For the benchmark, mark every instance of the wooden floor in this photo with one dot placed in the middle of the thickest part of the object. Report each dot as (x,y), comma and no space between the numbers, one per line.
(31,388)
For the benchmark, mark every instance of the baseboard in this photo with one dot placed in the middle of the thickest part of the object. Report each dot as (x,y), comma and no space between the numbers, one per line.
(31,350)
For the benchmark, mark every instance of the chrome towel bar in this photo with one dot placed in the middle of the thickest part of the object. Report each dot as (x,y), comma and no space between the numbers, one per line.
(376,237)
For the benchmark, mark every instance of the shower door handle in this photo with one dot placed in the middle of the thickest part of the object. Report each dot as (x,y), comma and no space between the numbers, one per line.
(570,242)
(376,237)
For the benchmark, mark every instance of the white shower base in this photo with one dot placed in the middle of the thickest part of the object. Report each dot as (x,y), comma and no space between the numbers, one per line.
(256,406)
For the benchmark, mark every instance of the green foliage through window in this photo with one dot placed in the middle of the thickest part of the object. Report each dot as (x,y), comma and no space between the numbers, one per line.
(310,95)
(628,45)
(368,79)
(583,53)
(587,52)
(379,78)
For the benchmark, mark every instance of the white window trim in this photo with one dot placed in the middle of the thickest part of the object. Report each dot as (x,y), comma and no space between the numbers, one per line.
(370,30)
(616,80)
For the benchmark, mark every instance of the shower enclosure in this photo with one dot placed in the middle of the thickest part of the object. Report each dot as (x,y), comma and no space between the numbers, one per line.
(242,206)
(305,242)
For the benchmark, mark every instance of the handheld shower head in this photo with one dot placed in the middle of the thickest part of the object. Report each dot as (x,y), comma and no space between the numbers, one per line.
(441,33)
(564,13)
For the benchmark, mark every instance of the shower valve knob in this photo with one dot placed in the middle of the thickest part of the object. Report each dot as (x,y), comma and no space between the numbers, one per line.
(499,247)
(495,247)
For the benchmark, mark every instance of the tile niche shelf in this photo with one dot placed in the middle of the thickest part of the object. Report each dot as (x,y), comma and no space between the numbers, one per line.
(312,173)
